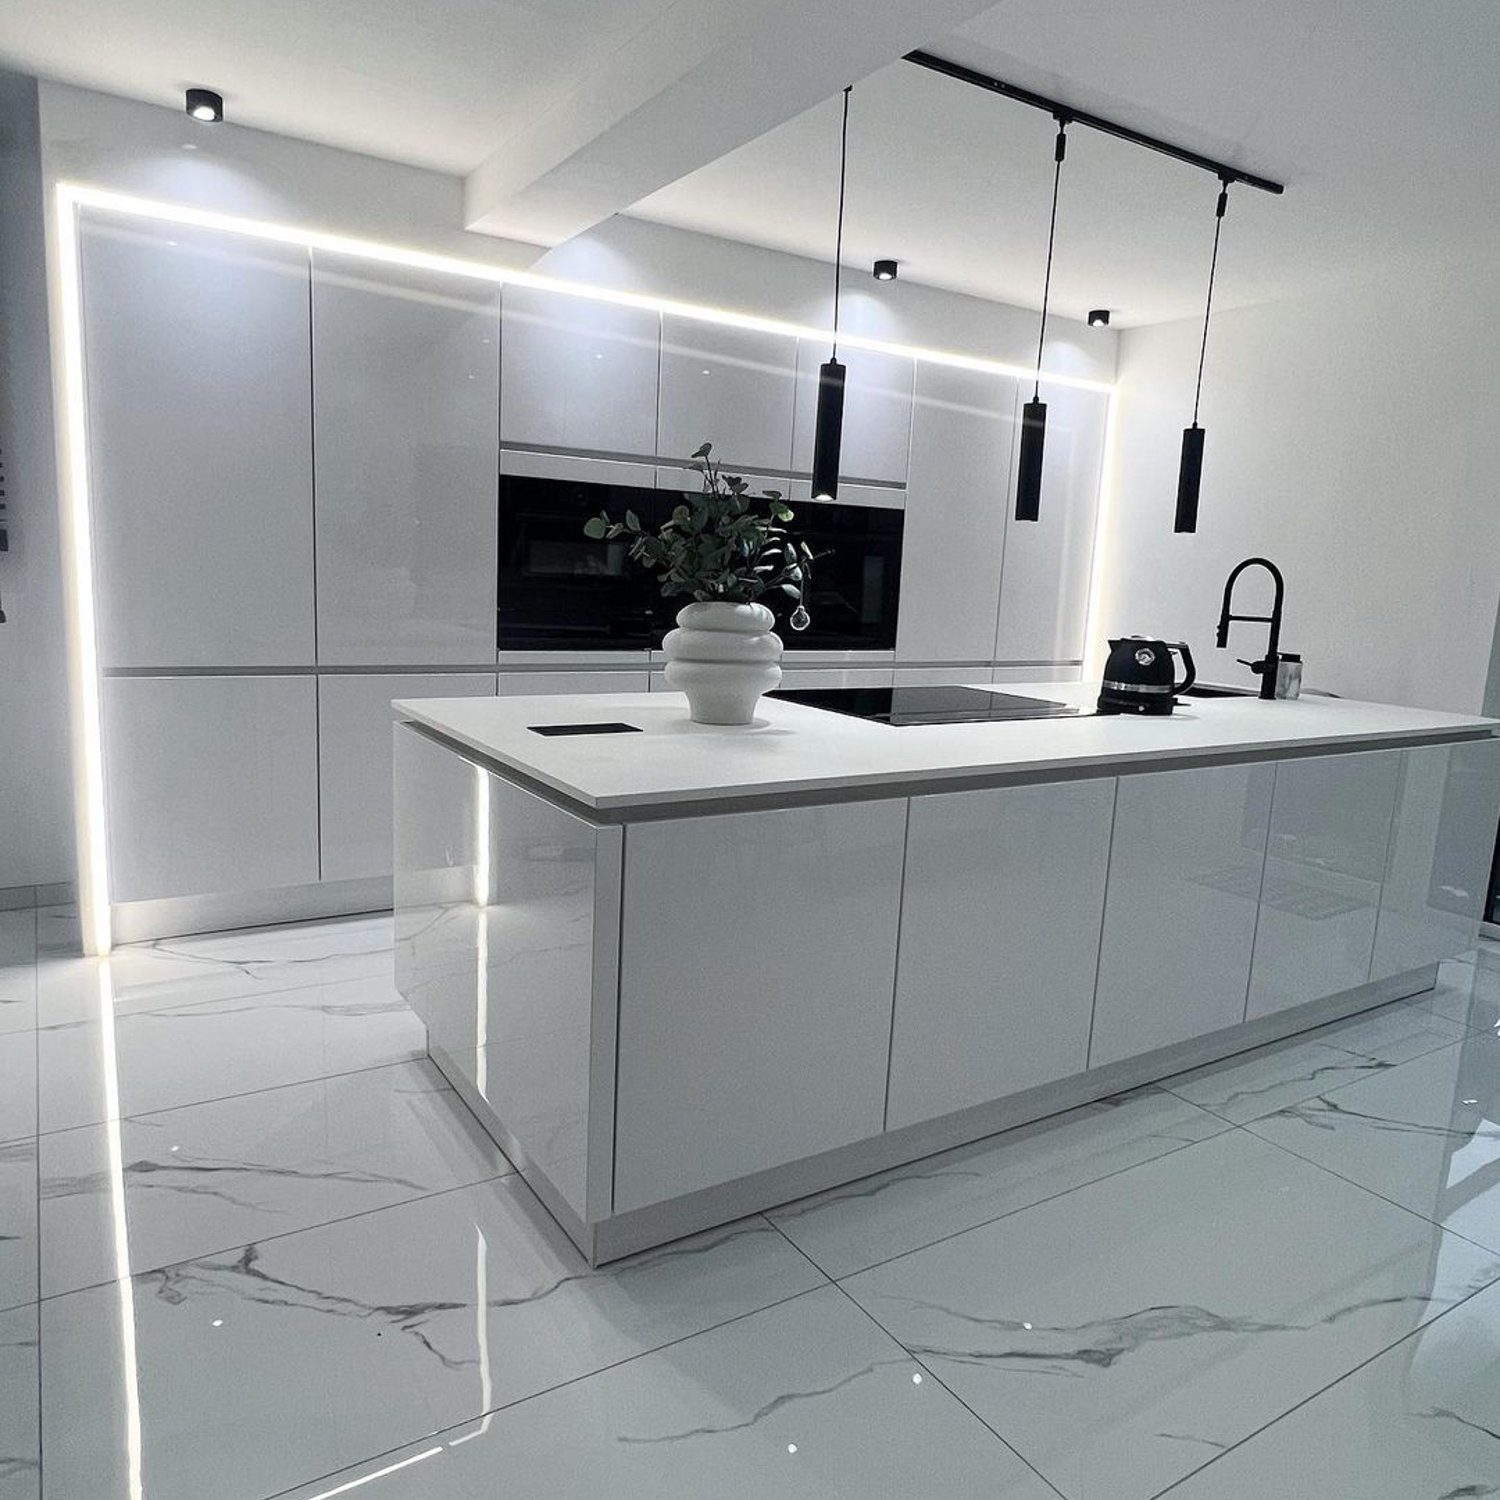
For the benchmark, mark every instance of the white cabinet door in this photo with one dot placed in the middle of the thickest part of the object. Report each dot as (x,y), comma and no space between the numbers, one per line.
(406,370)
(212,784)
(1179,916)
(877,413)
(577,373)
(757,961)
(354,761)
(200,445)
(1330,831)
(1442,843)
(1044,589)
(962,431)
(999,941)
(732,387)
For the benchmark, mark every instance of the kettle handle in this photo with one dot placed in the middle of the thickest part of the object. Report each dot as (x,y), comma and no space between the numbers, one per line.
(1181,648)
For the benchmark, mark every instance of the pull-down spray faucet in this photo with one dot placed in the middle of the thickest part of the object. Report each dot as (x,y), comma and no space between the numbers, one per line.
(1267,666)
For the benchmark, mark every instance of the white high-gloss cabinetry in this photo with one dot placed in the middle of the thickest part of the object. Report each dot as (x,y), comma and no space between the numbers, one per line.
(1325,860)
(1044,586)
(877,412)
(200,445)
(354,761)
(1000,919)
(212,784)
(1179,919)
(756,958)
(1441,847)
(577,373)
(406,369)
(519,684)
(962,434)
(732,387)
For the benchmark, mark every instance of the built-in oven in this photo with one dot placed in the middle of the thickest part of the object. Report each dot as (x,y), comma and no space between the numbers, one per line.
(559,591)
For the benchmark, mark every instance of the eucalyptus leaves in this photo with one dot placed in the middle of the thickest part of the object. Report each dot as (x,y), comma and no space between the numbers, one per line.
(718,547)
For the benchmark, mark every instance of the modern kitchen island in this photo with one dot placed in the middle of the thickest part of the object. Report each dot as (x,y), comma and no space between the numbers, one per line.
(683,972)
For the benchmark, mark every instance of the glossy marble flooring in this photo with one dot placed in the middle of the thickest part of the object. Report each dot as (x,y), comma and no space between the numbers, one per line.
(252,1246)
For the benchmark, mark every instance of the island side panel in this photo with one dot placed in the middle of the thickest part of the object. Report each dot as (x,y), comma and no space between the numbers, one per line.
(1000,923)
(1442,844)
(507,923)
(757,967)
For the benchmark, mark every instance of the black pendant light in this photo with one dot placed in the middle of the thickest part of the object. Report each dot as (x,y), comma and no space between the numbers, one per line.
(828,435)
(1034,413)
(1190,470)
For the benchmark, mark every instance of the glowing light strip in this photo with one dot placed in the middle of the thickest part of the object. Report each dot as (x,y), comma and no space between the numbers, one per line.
(354,1484)
(317,239)
(481,930)
(482,1335)
(78,582)
(1095,646)
(124,1290)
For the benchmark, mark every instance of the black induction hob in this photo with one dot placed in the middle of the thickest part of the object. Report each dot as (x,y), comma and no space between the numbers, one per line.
(926,705)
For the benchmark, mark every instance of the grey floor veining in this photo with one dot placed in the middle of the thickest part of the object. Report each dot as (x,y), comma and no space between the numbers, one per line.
(251,1245)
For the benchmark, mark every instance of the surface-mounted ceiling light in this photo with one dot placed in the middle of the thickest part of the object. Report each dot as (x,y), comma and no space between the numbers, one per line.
(1099,318)
(1190,469)
(885,270)
(1034,413)
(205,105)
(828,435)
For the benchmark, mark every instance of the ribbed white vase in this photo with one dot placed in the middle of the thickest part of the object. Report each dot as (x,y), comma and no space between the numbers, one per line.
(723,656)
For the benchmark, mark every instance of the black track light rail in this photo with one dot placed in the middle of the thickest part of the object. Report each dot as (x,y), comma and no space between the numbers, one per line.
(1068,115)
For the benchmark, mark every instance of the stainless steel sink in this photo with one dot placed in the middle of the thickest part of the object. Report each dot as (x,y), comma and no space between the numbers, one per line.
(1215,690)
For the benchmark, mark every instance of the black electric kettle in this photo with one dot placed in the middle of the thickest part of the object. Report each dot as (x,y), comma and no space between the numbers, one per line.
(1138,676)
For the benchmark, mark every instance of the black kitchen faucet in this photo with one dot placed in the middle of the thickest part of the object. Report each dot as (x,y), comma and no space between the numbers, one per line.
(1266,667)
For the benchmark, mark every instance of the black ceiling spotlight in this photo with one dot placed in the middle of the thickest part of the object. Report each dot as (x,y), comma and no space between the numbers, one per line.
(885,270)
(828,435)
(205,105)
(1099,318)
(1190,469)
(1034,413)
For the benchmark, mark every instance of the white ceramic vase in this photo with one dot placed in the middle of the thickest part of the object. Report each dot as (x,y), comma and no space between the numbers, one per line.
(723,656)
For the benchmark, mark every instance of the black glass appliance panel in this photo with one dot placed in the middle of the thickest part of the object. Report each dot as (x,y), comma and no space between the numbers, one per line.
(560,591)
(927,705)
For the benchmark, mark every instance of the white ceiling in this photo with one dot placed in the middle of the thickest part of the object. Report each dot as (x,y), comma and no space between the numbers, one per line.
(1381,116)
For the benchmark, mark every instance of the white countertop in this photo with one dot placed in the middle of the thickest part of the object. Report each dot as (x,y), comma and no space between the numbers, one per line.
(795,749)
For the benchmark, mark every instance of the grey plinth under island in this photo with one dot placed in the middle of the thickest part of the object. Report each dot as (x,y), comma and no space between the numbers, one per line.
(685,973)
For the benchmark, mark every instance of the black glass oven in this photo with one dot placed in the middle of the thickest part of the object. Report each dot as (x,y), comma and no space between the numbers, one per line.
(560,591)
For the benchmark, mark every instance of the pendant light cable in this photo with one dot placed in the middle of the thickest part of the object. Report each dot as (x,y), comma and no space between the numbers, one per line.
(1213,266)
(1059,151)
(838,252)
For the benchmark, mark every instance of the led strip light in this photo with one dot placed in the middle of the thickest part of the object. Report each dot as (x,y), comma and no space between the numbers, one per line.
(89,799)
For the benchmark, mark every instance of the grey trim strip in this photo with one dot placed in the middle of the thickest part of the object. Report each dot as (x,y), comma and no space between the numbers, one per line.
(400,669)
(628,661)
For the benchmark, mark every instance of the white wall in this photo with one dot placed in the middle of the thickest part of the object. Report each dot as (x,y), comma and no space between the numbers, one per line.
(1351,438)
(36,833)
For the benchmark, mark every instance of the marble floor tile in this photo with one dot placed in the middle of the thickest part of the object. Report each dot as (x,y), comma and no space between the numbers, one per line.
(1421,1422)
(805,1401)
(1426,1135)
(1252,1084)
(187,1053)
(196,1179)
(17,970)
(18,1113)
(1119,1336)
(249,1371)
(18,1229)
(222,966)
(20,1420)
(850,1228)
(1469,992)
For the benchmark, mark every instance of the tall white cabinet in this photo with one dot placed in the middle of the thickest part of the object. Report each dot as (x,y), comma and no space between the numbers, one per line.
(962,435)
(406,370)
(200,445)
